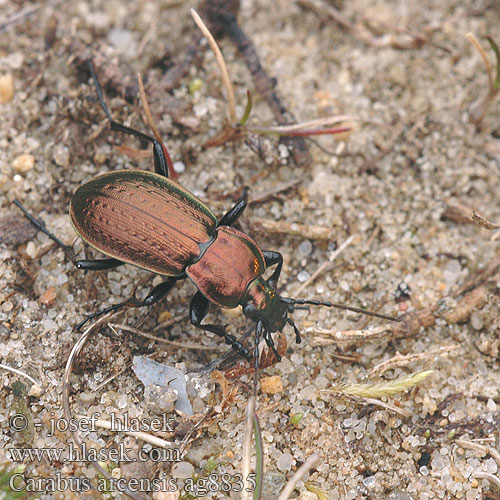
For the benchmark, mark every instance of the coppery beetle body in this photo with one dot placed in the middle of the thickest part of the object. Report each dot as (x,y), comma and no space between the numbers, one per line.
(150,221)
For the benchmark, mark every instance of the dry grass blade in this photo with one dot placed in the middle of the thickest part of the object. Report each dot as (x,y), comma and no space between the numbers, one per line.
(143,436)
(490,477)
(326,265)
(231,101)
(481,221)
(460,213)
(485,59)
(173,343)
(301,472)
(315,124)
(19,372)
(147,109)
(247,446)
(385,388)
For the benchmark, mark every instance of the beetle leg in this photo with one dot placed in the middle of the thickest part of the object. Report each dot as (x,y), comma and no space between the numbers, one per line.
(40,225)
(270,343)
(87,265)
(232,215)
(97,264)
(157,293)
(272,258)
(198,309)
(162,161)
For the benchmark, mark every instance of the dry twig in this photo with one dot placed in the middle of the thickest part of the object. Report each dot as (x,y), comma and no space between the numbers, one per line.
(487,450)
(310,232)
(400,360)
(326,266)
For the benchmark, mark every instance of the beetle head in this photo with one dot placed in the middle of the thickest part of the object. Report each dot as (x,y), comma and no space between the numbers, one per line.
(262,303)
(269,310)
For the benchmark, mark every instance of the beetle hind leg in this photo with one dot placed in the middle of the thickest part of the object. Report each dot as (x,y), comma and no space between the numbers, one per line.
(230,217)
(156,294)
(198,309)
(86,265)
(163,163)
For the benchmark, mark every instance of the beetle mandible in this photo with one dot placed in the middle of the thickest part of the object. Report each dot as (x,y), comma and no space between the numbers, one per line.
(149,220)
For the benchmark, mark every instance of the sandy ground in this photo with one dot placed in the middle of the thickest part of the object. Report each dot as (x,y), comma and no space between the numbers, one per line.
(402,188)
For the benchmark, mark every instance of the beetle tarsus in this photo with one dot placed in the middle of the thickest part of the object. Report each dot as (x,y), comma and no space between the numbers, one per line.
(270,343)
(40,225)
(101,312)
(298,339)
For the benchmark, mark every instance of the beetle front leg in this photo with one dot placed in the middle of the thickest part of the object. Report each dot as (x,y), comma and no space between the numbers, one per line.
(232,215)
(271,259)
(198,309)
(157,293)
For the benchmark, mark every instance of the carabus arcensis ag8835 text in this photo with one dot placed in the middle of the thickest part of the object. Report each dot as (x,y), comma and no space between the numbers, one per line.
(149,220)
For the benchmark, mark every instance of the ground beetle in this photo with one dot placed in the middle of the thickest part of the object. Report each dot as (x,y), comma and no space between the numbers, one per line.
(148,220)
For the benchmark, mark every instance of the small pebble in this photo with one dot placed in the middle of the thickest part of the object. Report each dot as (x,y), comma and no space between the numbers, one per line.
(369,481)
(398,495)
(122,401)
(271,385)
(284,463)
(305,248)
(49,325)
(283,150)
(491,405)
(6,88)
(303,276)
(198,405)
(49,296)
(122,40)
(179,167)
(36,391)
(476,321)
(182,470)
(61,155)
(491,466)
(23,163)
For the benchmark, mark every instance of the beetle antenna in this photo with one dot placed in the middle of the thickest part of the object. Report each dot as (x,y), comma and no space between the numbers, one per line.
(293,302)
